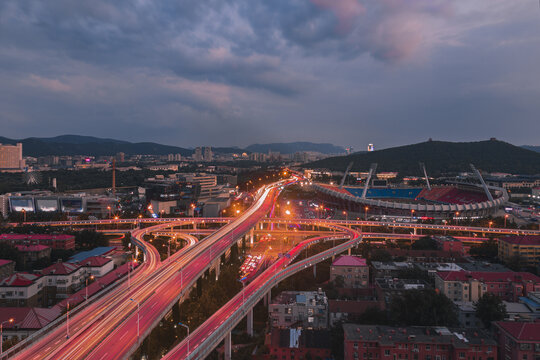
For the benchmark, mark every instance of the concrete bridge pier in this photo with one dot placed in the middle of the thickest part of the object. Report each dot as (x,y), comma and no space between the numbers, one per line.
(250,322)
(217,266)
(251,232)
(194,225)
(349,251)
(314,270)
(228,346)
(268,298)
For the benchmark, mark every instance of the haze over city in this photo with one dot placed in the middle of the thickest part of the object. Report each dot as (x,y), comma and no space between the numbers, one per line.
(239,72)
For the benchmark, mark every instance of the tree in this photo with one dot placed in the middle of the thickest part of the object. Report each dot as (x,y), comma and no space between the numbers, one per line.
(490,308)
(486,250)
(381,255)
(422,308)
(425,243)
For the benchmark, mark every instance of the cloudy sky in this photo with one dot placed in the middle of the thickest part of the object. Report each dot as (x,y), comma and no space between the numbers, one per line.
(236,72)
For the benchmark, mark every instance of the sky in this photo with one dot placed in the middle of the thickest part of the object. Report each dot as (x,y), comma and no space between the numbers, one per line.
(238,72)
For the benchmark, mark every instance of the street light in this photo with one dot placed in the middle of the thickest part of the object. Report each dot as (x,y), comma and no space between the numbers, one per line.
(138,317)
(505,217)
(67,321)
(346,215)
(24,214)
(365,213)
(490,223)
(86,287)
(109,208)
(10,321)
(187,327)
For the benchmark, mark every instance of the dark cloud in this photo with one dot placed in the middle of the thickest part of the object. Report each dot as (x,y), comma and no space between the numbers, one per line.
(235,72)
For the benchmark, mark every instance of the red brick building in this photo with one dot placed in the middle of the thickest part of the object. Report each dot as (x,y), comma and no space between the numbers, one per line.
(417,343)
(518,340)
(54,241)
(296,344)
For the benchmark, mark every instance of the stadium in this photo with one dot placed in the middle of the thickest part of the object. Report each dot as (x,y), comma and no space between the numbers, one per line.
(460,200)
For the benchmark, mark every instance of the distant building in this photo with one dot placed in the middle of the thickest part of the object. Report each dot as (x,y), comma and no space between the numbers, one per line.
(526,248)
(472,285)
(29,254)
(306,309)
(290,344)
(518,340)
(11,157)
(417,343)
(450,244)
(208,155)
(120,157)
(352,269)
(54,241)
(389,269)
(370,147)
(198,154)
(63,279)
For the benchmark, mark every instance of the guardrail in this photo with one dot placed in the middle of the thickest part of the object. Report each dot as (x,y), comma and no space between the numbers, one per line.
(219,334)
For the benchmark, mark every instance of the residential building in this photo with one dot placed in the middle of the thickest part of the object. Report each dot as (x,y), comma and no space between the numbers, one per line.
(524,247)
(390,269)
(11,157)
(417,343)
(54,241)
(352,269)
(472,285)
(26,320)
(518,340)
(21,290)
(467,313)
(290,344)
(208,155)
(62,279)
(350,310)
(7,267)
(97,266)
(388,288)
(29,254)
(306,309)
(449,244)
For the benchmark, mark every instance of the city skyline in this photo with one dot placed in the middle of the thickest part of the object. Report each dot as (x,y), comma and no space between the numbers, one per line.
(238,72)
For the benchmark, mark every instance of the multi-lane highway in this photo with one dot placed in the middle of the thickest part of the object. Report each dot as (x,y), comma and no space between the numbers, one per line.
(201,341)
(111,332)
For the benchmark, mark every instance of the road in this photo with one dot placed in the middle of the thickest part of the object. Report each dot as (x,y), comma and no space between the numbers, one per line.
(200,342)
(111,332)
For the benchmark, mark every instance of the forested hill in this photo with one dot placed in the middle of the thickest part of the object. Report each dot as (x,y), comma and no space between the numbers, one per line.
(441,157)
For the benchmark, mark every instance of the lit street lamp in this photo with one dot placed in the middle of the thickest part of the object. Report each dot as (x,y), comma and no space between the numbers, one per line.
(86,287)
(10,321)
(187,327)
(505,217)
(365,213)
(490,223)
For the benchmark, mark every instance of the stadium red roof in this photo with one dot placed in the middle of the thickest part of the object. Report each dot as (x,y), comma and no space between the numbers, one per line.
(4,262)
(488,276)
(521,330)
(60,268)
(522,239)
(19,279)
(348,260)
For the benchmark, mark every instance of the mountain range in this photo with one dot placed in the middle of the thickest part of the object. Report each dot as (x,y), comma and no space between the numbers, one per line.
(94,146)
(441,157)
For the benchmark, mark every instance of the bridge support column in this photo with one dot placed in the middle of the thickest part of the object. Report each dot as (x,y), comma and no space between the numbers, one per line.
(414,231)
(250,322)
(136,251)
(251,236)
(268,298)
(194,225)
(315,270)
(349,251)
(228,346)
(217,264)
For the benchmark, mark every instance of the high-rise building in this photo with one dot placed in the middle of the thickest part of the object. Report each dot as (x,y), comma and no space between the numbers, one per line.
(208,155)
(197,155)
(11,157)
(120,157)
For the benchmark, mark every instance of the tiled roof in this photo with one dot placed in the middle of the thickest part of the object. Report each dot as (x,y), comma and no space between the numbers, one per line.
(60,268)
(348,260)
(28,318)
(5,262)
(521,330)
(19,279)
(31,248)
(488,276)
(95,261)
(36,236)
(99,251)
(522,239)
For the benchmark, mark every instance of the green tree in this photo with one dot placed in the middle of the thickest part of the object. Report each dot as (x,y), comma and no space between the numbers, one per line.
(490,308)
(486,250)
(423,308)
(425,243)
(380,255)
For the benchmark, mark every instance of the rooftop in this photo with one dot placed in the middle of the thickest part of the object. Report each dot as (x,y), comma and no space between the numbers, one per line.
(36,237)
(301,297)
(522,239)
(94,261)
(83,255)
(31,248)
(60,268)
(19,279)
(349,260)
(27,318)
(459,338)
(508,276)
(521,331)
(400,284)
